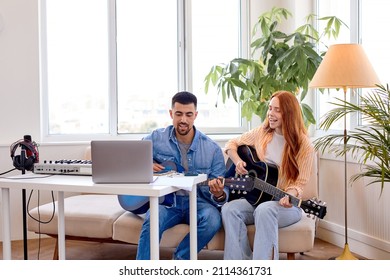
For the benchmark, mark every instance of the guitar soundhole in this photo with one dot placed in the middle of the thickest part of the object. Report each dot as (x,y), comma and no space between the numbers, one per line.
(253,173)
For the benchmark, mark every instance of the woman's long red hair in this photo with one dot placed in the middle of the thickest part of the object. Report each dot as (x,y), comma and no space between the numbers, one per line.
(293,128)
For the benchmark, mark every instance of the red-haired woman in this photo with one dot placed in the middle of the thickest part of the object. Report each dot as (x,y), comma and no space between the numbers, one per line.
(281,140)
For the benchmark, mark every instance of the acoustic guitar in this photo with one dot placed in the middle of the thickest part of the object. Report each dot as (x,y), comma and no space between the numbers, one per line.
(260,184)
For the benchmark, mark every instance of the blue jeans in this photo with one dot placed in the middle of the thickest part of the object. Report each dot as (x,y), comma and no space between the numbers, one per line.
(209,222)
(268,217)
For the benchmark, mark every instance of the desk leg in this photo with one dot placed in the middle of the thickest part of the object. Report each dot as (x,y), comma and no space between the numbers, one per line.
(193,225)
(154,229)
(6,224)
(61,226)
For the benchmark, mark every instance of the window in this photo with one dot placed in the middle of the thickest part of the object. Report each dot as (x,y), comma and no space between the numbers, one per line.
(76,73)
(110,67)
(366,20)
(147,63)
(374,17)
(341,10)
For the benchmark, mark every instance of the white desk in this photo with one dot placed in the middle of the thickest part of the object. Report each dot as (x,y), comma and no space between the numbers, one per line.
(81,184)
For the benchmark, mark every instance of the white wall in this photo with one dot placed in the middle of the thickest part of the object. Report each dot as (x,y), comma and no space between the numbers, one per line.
(369,220)
(19,70)
(368,211)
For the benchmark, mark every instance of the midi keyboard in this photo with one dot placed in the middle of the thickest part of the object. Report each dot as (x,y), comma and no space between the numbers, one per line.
(64,167)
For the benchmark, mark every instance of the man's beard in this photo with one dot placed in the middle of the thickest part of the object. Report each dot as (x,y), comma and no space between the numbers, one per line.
(181,131)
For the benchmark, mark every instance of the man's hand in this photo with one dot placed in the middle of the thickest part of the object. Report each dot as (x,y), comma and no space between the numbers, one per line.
(216,186)
(158,167)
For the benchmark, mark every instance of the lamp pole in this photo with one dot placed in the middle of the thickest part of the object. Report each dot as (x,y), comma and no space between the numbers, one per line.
(346,255)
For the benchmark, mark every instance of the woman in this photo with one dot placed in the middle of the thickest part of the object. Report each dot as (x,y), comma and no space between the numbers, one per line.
(281,140)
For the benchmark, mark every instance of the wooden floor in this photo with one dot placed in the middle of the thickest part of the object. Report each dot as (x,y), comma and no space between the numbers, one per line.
(80,250)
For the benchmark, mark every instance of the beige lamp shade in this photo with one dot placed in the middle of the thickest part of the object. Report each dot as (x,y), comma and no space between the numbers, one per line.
(345,66)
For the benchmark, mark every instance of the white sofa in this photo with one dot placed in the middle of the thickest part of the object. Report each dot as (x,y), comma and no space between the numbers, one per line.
(100,218)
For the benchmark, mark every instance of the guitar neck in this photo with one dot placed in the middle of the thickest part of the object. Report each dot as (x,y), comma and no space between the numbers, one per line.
(263,186)
(223,180)
(274,191)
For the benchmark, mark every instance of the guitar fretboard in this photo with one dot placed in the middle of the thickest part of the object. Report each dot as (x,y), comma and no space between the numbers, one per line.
(272,190)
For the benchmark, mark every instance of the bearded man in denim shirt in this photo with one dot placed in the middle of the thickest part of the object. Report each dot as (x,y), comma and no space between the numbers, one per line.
(187,147)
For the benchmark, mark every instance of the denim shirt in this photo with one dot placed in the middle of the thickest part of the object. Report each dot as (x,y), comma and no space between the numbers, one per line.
(204,156)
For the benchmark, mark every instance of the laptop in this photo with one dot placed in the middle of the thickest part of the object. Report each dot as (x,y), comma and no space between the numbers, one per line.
(122,161)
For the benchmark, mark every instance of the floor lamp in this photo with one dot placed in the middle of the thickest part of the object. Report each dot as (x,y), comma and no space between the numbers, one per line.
(345,66)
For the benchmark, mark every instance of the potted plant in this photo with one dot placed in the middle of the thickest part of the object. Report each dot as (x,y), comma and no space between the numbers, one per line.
(285,61)
(370,142)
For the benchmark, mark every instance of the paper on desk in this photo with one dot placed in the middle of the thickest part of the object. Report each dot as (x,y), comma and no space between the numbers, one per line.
(179,181)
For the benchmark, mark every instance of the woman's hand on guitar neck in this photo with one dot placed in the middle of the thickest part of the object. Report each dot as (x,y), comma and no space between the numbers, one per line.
(285,201)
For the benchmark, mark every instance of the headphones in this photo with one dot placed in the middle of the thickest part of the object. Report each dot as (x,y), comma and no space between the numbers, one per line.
(32,155)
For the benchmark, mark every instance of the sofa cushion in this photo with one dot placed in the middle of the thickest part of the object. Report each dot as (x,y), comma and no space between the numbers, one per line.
(298,237)
(85,216)
(127,228)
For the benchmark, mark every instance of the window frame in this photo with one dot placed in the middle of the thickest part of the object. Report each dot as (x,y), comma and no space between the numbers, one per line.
(184,73)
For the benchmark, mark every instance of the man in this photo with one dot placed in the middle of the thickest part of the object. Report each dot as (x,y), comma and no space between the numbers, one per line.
(187,147)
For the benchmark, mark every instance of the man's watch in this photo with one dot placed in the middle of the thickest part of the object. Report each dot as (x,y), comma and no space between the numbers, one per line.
(220,198)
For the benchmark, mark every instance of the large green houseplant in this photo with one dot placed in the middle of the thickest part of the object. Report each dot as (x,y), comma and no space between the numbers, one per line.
(279,61)
(369,143)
